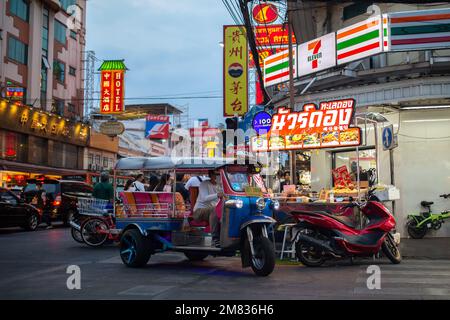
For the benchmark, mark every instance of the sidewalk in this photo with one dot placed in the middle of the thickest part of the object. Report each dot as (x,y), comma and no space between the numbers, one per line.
(430,248)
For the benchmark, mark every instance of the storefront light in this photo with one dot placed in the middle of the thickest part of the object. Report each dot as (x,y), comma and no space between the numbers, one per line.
(426,107)
(425,120)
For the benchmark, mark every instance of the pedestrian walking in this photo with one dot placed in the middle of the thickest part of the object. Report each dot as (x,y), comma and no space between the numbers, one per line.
(44,202)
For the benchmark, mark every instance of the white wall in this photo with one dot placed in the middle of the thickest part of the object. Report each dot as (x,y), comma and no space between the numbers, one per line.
(422,163)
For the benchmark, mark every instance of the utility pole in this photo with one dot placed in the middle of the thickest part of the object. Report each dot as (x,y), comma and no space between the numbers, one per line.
(292,153)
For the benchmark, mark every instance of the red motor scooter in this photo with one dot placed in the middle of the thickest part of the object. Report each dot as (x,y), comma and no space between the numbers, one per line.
(319,235)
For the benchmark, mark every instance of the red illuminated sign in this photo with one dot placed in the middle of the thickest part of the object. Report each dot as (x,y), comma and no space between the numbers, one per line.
(14,93)
(276,35)
(326,126)
(112,91)
(265,13)
(330,116)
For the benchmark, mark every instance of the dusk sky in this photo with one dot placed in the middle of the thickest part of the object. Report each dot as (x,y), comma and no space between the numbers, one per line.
(169,47)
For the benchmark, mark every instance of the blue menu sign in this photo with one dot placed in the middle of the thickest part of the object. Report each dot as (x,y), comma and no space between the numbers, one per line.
(262,122)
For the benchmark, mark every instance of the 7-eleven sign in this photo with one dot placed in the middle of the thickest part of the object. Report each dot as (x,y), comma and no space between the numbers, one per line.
(317,54)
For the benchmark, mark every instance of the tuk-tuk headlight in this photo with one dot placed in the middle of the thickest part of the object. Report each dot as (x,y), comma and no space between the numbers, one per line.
(275,205)
(234,203)
(260,204)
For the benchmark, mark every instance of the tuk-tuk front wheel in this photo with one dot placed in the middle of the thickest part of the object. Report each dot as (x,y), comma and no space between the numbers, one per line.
(263,262)
(135,249)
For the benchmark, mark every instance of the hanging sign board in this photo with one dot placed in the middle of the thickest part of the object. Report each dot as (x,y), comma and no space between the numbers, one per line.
(323,126)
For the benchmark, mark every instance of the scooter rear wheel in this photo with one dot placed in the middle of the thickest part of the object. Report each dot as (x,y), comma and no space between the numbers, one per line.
(309,255)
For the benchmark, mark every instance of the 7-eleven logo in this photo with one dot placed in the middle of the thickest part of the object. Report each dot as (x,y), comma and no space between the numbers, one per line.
(316,55)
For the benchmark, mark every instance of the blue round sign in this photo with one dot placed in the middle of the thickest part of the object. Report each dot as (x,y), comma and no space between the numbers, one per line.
(262,122)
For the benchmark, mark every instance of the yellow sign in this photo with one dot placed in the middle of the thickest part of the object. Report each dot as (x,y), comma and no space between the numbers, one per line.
(235,71)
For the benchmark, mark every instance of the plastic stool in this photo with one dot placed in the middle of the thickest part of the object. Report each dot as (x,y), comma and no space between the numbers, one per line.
(287,227)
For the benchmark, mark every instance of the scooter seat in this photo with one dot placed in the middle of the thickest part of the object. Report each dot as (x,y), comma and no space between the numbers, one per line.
(342,219)
(426,203)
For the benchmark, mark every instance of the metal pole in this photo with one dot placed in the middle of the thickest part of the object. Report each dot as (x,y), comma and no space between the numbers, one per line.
(292,160)
(377,158)
(174,191)
(114,192)
(391,164)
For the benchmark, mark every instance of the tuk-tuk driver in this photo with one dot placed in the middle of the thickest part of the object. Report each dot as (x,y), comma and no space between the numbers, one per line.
(204,210)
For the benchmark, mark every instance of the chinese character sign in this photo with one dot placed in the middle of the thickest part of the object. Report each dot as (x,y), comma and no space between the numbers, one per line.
(112,91)
(235,71)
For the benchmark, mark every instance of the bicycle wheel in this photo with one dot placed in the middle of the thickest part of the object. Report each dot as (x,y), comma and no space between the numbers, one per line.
(94,232)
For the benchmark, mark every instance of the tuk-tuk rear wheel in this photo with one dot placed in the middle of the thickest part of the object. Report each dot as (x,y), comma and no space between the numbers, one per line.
(263,262)
(135,249)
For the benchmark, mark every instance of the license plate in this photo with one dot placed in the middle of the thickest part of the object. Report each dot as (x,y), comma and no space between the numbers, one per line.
(397,238)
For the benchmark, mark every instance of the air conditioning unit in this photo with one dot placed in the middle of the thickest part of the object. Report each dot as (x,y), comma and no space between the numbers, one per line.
(90,167)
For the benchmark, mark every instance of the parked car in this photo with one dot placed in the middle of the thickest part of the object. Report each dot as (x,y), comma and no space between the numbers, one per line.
(63,194)
(16,190)
(14,212)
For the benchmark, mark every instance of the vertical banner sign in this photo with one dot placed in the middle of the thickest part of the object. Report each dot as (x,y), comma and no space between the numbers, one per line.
(112,87)
(235,71)
(112,91)
(359,40)
(317,54)
(106,92)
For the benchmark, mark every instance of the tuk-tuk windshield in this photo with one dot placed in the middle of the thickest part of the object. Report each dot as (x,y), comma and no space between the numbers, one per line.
(239,180)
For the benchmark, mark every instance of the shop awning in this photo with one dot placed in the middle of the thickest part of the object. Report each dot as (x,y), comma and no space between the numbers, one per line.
(6,165)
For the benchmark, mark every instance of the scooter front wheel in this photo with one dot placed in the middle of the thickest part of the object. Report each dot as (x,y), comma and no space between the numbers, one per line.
(263,262)
(391,249)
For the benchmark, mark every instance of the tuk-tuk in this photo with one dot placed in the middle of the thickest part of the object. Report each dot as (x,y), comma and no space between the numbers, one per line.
(150,222)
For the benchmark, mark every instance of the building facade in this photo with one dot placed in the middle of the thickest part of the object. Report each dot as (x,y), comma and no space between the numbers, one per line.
(410,89)
(41,56)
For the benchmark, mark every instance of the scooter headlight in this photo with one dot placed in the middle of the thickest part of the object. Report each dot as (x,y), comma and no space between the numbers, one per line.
(260,204)
(275,205)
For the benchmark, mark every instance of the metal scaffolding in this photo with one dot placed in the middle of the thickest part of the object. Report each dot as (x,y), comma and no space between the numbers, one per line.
(89,82)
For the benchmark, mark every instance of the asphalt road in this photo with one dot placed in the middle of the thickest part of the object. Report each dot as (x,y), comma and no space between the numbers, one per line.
(33,265)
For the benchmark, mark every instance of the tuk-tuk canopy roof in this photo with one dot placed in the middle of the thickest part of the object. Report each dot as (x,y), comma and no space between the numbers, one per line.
(167,163)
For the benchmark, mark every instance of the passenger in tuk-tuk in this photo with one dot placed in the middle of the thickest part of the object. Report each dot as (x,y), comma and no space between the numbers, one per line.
(152,182)
(179,187)
(205,206)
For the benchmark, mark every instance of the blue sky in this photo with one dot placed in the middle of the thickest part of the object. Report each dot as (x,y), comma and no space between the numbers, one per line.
(170,47)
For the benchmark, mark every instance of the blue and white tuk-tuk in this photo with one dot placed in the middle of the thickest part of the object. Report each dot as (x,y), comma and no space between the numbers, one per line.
(152,222)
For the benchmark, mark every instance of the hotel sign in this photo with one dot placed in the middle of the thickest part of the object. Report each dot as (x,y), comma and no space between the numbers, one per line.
(112,91)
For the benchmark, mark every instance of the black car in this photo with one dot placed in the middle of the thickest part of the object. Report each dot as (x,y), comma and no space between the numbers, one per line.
(14,212)
(63,195)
